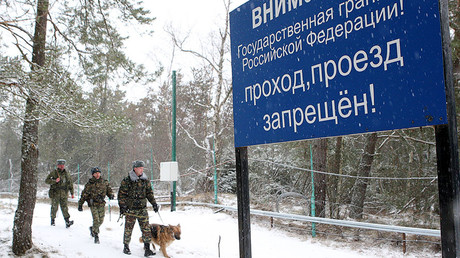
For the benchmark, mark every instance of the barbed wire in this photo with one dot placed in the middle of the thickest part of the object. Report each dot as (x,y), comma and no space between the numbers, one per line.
(309,170)
(348,176)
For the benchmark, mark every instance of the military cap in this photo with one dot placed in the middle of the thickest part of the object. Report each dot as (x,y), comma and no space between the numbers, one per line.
(61,161)
(138,163)
(95,170)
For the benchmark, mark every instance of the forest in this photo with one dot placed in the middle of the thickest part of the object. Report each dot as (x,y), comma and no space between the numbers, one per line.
(61,98)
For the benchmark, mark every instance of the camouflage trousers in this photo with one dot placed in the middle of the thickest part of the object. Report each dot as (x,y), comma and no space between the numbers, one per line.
(59,199)
(98,212)
(130,219)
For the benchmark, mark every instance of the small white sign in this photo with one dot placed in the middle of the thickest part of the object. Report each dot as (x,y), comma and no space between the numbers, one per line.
(169,171)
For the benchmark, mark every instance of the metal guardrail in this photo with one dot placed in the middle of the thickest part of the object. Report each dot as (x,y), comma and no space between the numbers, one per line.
(344,223)
(336,222)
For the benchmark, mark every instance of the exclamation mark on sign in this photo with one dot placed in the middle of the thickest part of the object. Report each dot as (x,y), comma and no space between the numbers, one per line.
(371,91)
(402,6)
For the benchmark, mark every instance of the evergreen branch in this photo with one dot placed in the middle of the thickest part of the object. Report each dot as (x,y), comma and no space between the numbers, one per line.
(70,41)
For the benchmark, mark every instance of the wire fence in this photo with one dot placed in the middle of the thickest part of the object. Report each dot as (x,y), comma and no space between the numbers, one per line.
(11,185)
(433,235)
(343,175)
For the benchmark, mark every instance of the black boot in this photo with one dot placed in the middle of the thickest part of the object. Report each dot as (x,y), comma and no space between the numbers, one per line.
(68,223)
(96,238)
(148,252)
(52,222)
(126,249)
(91,231)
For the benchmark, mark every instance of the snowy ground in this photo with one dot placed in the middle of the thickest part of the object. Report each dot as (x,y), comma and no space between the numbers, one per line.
(201,229)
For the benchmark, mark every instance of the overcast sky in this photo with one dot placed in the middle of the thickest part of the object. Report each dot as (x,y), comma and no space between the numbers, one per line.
(195,18)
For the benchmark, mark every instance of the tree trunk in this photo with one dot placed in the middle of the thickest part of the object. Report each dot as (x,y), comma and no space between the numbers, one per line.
(320,164)
(22,230)
(333,182)
(360,186)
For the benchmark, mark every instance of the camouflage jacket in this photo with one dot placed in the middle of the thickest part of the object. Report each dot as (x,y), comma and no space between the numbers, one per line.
(134,192)
(65,184)
(95,191)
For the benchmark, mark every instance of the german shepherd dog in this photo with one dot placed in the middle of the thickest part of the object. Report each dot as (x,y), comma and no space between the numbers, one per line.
(163,236)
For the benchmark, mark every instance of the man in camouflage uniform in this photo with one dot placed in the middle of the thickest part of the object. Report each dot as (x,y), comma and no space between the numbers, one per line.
(60,185)
(94,194)
(134,191)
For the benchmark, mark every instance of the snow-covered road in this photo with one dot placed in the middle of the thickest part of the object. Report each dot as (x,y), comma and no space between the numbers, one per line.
(201,230)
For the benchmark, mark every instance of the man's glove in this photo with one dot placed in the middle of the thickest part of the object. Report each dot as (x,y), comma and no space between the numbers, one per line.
(155,207)
(80,207)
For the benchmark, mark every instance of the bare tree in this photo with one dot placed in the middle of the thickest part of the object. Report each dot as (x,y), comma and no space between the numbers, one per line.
(221,91)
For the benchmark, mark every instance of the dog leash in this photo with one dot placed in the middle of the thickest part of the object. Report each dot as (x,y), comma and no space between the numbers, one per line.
(160,218)
(160,215)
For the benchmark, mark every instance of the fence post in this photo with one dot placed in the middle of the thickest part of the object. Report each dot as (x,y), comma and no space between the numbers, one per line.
(108,179)
(215,170)
(78,180)
(10,187)
(404,242)
(313,209)
(173,136)
(151,166)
